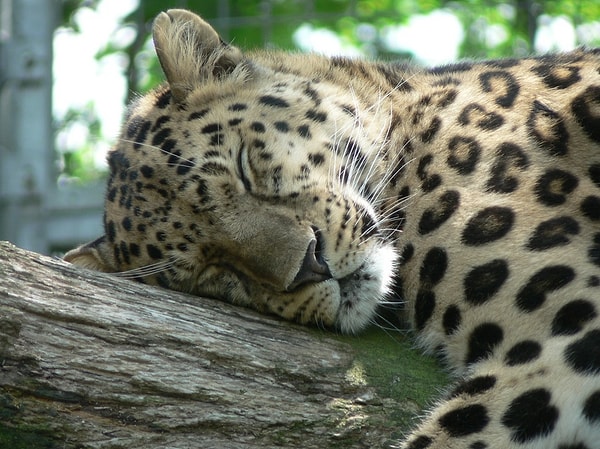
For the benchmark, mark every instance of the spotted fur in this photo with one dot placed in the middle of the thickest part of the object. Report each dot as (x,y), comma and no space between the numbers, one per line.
(317,188)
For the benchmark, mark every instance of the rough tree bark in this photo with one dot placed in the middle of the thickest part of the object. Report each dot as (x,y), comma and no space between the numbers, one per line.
(91,361)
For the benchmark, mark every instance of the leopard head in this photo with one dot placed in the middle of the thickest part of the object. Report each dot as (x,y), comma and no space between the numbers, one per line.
(246,179)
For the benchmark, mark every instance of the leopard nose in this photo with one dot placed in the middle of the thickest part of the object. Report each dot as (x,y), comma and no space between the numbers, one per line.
(314,268)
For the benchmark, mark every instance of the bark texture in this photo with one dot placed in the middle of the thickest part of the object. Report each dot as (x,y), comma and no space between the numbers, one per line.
(89,360)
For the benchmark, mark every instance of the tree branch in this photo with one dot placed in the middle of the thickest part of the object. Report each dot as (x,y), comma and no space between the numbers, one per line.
(90,360)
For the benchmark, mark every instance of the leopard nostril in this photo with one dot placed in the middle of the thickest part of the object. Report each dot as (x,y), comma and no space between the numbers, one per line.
(314,268)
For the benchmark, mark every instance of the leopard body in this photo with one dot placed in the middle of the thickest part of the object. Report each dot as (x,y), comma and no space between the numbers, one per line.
(318,188)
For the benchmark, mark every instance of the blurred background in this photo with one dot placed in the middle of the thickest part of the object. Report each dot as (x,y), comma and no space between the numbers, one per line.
(69,67)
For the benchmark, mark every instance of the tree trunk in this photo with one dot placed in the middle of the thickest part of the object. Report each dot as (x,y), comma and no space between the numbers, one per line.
(88,360)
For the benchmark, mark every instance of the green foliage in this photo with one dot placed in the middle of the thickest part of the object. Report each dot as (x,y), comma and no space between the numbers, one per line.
(491,28)
(80,164)
(26,439)
(21,436)
(69,7)
(406,380)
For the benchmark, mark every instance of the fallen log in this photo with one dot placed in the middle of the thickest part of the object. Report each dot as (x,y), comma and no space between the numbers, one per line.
(88,360)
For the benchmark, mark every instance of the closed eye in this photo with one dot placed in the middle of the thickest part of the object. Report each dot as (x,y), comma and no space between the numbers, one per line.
(242,167)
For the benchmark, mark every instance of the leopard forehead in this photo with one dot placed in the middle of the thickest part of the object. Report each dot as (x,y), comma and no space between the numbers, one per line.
(276,137)
(270,120)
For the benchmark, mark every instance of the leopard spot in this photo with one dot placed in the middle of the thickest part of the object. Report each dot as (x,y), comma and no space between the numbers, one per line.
(552,233)
(488,225)
(474,386)
(531,416)
(594,172)
(594,250)
(480,117)
(552,188)
(433,267)
(571,317)
(111,194)
(212,128)
(153,251)
(316,116)
(509,160)
(484,281)
(421,442)
(257,127)
(160,121)
(590,207)
(548,129)
(462,66)
(117,254)
(273,101)
(124,249)
(163,99)
(586,108)
(282,127)
(133,126)
(444,97)
(559,77)
(142,133)
(478,445)
(185,165)
(304,131)
(434,217)
(501,83)
(424,307)
(316,159)
(430,180)
(548,279)
(591,407)
(237,107)
(431,131)
(147,171)
(482,342)
(406,254)
(197,115)
(111,231)
(523,352)
(464,154)
(451,319)
(126,223)
(258,144)
(583,355)
(134,249)
(465,420)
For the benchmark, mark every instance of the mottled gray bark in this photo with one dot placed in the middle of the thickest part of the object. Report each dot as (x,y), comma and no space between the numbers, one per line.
(89,360)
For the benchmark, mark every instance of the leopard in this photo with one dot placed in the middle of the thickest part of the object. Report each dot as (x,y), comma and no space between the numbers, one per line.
(322,188)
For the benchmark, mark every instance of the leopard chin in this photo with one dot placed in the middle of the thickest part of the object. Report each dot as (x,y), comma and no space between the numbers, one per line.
(362,292)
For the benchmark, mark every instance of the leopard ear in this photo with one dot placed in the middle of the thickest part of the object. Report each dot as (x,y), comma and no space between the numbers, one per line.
(94,255)
(190,51)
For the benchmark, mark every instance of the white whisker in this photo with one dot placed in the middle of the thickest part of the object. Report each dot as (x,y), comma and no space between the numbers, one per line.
(154,147)
(147,270)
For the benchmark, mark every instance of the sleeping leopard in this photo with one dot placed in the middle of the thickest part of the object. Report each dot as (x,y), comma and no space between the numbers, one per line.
(318,188)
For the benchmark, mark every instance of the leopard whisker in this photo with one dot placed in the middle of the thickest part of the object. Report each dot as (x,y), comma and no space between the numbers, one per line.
(391,172)
(387,326)
(387,217)
(147,270)
(154,147)
(390,209)
(371,172)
